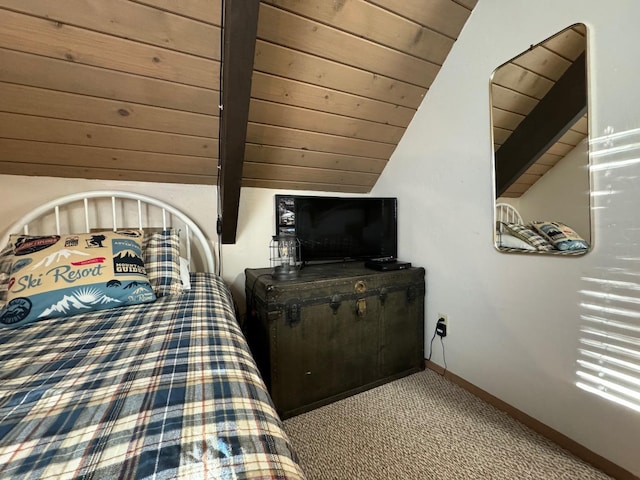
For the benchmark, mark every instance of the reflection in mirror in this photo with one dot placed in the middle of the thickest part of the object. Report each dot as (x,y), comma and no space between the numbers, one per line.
(541,152)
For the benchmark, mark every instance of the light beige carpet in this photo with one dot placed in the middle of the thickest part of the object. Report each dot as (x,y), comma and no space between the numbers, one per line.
(425,427)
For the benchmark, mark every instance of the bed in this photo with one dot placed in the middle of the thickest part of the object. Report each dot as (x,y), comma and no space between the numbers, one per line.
(162,388)
(513,234)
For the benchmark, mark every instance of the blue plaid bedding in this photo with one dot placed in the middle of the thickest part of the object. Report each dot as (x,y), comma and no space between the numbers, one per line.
(160,390)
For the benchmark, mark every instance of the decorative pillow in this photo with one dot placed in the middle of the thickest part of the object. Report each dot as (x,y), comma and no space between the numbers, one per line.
(60,275)
(560,235)
(528,235)
(161,253)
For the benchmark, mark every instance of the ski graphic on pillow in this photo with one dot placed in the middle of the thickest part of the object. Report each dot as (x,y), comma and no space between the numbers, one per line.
(57,276)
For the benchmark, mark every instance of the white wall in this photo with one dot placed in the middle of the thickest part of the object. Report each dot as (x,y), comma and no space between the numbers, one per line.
(515,320)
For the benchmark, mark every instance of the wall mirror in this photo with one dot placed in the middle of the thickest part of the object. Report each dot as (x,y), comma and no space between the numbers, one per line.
(539,120)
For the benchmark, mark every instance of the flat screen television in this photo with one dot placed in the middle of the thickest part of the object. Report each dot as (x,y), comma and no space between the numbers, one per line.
(339,228)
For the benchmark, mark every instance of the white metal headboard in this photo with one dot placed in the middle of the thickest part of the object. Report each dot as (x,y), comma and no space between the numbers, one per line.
(507,213)
(84,211)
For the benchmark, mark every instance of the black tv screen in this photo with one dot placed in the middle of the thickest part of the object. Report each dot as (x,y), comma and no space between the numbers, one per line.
(339,228)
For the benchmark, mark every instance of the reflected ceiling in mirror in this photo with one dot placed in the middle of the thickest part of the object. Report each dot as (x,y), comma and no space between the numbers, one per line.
(539,124)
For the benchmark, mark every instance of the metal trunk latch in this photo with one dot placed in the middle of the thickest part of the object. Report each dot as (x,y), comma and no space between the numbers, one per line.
(361,304)
(383,295)
(335,304)
(361,307)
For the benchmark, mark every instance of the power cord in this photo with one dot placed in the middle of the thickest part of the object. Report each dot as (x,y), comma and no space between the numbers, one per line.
(443,358)
(219,233)
(431,346)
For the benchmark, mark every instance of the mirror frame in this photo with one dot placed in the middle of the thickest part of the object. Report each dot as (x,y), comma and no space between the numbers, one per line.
(539,102)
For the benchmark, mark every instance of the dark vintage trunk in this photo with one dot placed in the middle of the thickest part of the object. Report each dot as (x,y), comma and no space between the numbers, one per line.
(336,330)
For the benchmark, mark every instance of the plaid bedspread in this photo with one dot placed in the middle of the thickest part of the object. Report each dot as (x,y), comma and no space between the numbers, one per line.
(545,252)
(161,390)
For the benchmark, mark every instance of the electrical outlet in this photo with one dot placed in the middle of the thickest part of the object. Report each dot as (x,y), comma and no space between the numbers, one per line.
(442,324)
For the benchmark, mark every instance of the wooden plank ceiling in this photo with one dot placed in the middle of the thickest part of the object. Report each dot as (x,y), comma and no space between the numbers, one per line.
(521,86)
(130,89)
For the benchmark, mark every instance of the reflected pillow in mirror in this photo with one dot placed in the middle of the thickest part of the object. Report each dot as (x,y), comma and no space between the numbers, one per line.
(504,240)
(529,236)
(560,235)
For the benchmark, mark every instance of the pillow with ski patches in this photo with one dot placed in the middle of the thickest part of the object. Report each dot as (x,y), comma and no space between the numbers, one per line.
(61,275)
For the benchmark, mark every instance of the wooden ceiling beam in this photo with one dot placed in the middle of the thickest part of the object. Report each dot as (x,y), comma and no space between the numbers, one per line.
(240,25)
(561,107)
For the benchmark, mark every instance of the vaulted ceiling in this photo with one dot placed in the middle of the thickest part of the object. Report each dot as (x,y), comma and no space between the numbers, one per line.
(131,89)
